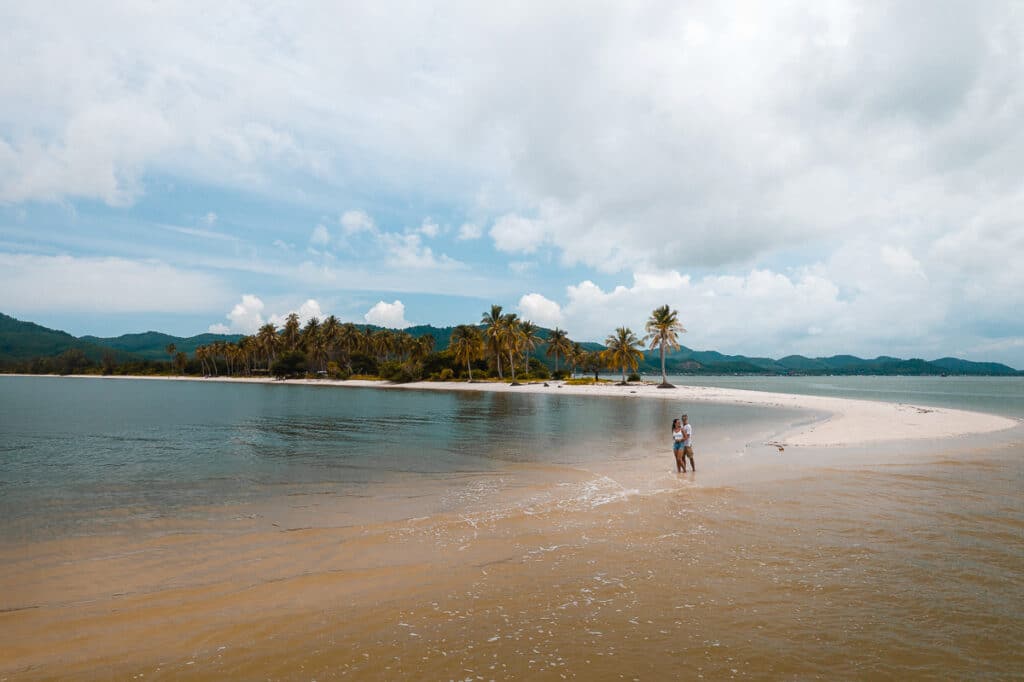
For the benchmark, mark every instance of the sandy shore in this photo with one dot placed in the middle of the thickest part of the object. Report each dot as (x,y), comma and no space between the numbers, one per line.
(846,421)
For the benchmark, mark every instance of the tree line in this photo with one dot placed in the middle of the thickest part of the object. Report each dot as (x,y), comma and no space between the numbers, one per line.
(501,345)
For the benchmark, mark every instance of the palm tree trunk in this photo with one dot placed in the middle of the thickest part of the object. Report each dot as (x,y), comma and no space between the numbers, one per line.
(512,366)
(469,368)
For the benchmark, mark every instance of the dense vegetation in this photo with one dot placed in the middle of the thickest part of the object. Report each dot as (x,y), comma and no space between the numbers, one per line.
(500,346)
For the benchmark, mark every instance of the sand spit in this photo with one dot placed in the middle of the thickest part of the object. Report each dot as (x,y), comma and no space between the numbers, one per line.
(847,421)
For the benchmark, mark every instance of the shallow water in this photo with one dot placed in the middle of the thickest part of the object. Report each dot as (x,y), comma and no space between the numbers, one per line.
(566,547)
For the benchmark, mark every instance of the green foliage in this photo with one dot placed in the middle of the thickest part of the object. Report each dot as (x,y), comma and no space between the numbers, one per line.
(290,364)
(634,377)
(446,374)
(401,372)
(560,374)
(363,363)
(336,371)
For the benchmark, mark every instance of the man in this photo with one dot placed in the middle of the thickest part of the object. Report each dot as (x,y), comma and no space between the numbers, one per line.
(687,444)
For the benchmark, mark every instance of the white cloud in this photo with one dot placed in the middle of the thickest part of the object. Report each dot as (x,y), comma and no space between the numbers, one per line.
(408,251)
(390,315)
(429,228)
(354,222)
(307,311)
(283,245)
(320,236)
(522,267)
(470,231)
(210,219)
(539,309)
(514,233)
(246,317)
(31,283)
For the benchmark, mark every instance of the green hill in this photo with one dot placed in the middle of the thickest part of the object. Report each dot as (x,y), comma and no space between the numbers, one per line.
(153,345)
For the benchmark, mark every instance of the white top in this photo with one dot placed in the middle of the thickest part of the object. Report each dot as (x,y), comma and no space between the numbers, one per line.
(688,430)
(677,435)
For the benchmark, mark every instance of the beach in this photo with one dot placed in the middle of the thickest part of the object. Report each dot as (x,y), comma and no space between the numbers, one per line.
(820,537)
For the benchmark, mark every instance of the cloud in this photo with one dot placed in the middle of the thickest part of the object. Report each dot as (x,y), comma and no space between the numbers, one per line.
(307,311)
(210,219)
(515,234)
(429,228)
(320,236)
(541,310)
(390,315)
(245,317)
(354,222)
(469,231)
(408,251)
(30,283)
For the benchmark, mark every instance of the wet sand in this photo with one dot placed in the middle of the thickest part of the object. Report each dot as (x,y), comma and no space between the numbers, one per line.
(826,558)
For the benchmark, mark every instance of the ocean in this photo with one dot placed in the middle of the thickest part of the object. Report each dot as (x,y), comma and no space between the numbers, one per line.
(297,532)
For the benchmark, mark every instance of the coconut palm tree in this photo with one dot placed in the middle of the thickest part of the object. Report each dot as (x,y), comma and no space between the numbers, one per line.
(663,329)
(558,345)
(268,342)
(622,351)
(467,345)
(331,330)
(510,338)
(292,332)
(171,350)
(423,346)
(492,322)
(350,339)
(528,338)
(576,357)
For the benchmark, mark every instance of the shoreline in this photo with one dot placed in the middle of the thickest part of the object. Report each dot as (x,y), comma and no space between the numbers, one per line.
(850,421)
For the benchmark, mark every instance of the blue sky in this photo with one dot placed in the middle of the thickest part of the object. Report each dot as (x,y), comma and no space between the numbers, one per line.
(812,178)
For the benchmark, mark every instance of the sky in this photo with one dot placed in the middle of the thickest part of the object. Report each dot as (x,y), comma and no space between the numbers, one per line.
(813,178)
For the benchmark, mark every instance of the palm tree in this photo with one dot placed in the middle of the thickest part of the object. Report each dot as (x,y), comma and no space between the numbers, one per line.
(622,351)
(663,329)
(492,332)
(576,357)
(382,344)
(423,346)
(171,350)
(331,330)
(350,338)
(528,339)
(467,345)
(309,334)
(510,338)
(268,341)
(291,333)
(558,345)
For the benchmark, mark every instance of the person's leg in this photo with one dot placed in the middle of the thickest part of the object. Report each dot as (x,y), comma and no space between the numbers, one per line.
(688,452)
(680,463)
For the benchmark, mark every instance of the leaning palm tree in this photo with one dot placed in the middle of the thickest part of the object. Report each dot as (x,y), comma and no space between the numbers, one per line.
(492,322)
(663,329)
(622,351)
(528,338)
(558,345)
(467,345)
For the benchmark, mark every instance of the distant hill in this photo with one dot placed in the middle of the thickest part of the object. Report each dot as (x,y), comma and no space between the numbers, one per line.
(153,345)
(20,341)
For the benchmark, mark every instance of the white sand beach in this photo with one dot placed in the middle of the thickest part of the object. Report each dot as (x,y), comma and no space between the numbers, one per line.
(847,421)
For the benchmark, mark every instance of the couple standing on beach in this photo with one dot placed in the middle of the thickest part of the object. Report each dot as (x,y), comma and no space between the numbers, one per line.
(682,444)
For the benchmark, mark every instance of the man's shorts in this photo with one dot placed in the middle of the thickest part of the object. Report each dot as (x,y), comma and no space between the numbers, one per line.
(688,450)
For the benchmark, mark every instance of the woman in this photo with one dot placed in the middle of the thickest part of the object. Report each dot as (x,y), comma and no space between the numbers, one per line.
(678,436)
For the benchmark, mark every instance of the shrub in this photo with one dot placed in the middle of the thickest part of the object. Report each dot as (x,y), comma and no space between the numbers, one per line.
(634,377)
(560,374)
(292,363)
(336,371)
(446,374)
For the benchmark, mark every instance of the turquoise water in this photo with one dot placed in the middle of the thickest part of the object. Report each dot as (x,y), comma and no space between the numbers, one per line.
(72,450)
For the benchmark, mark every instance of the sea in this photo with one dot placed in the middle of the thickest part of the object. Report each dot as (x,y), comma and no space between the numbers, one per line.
(318,532)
